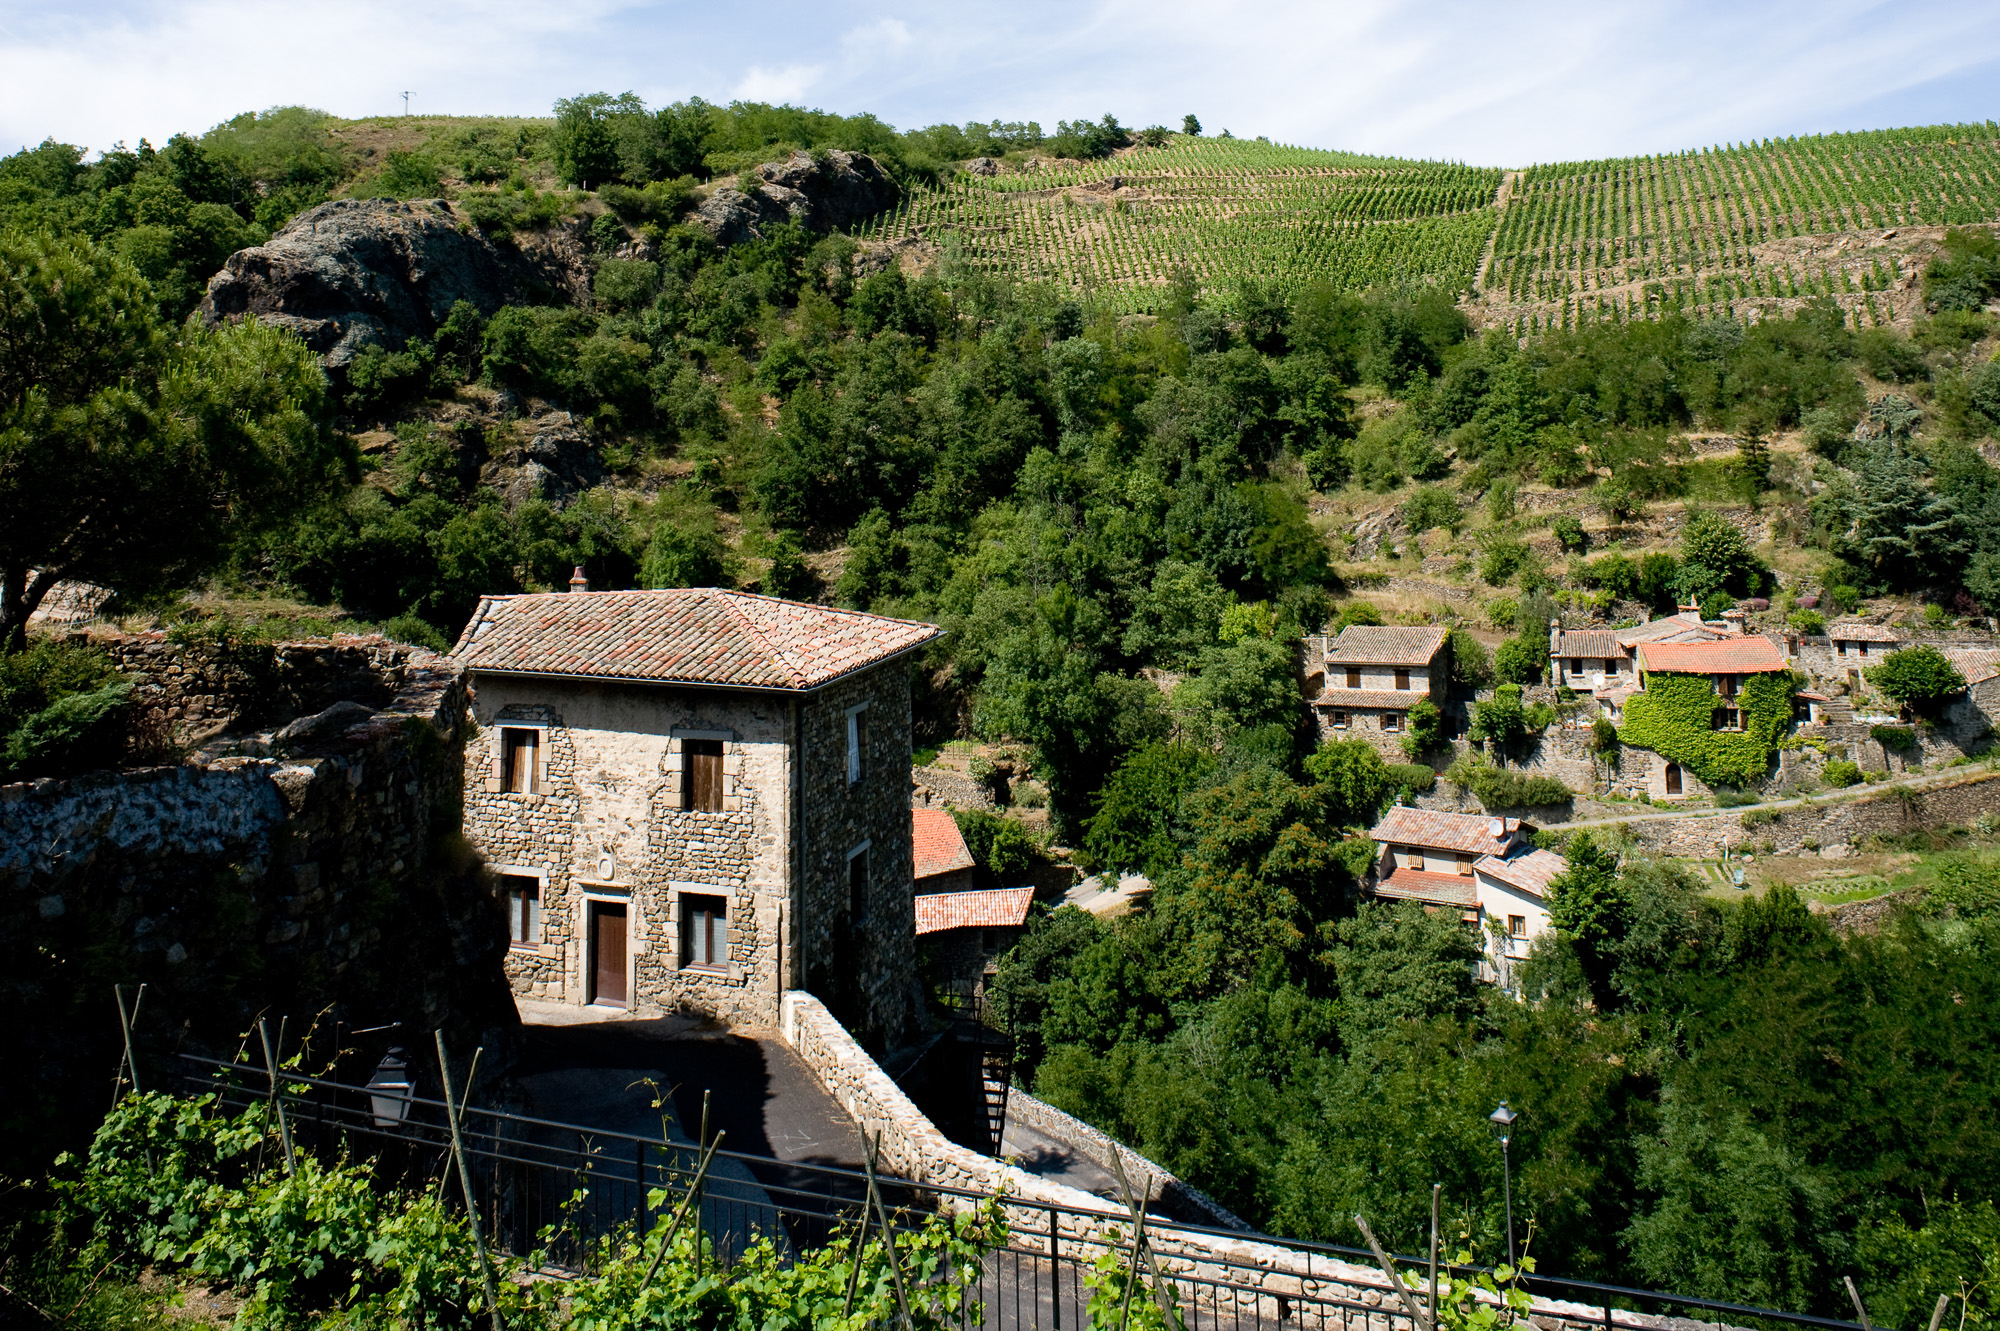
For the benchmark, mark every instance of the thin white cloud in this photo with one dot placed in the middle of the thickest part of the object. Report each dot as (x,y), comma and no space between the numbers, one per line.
(1501,82)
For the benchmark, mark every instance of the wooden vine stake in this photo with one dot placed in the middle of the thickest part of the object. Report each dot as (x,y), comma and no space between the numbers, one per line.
(1417,1319)
(465,1184)
(1168,1314)
(274,1103)
(126,1021)
(888,1234)
(680,1212)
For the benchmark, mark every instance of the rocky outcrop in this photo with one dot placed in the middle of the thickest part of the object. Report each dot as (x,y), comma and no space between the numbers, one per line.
(356,271)
(555,464)
(821,192)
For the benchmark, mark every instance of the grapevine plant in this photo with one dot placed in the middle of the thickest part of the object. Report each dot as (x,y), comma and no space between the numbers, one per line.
(1675,718)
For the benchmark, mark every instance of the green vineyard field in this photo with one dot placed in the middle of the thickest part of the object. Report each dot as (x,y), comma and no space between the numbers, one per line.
(1844,215)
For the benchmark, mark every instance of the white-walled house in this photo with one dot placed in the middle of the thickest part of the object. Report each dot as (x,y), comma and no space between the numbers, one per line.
(1482,867)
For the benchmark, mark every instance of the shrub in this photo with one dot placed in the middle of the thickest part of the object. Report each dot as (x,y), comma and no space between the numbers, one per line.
(1430,507)
(1919,678)
(1761,817)
(1522,660)
(1504,557)
(416,631)
(1569,533)
(1426,729)
(1503,788)
(1896,739)
(1413,778)
(1729,797)
(1603,735)
(1501,612)
(1809,622)
(1842,773)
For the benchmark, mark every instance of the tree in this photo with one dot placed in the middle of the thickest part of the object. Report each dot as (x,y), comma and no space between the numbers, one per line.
(1137,824)
(1353,780)
(584,142)
(1890,524)
(1426,729)
(1471,670)
(1587,903)
(127,459)
(1715,557)
(1919,678)
(1190,126)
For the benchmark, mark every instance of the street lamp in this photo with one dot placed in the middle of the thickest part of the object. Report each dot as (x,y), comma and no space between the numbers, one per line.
(1503,1121)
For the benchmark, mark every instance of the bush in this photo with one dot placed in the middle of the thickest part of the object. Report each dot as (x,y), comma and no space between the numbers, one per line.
(1569,533)
(1603,735)
(1761,818)
(1504,558)
(1430,507)
(1842,773)
(1729,797)
(416,631)
(1920,678)
(1896,739)
(1426,729)
(1503,788)
(1521,660)
(1501,612)
(1809,622)
(1413,778)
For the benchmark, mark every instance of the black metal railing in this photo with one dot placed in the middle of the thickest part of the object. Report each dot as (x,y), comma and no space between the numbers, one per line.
(556,1187)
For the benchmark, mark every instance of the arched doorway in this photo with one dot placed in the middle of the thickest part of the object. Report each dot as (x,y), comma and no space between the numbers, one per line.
(1673,778)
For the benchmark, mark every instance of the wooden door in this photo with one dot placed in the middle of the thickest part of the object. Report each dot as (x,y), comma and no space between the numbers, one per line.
(607,953)
(1673,778)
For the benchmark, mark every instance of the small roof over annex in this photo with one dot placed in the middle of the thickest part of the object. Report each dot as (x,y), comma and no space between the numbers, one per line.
(1673,628)
(940,849)
(1750,654)
(1526,871)
(1433,889)
(683,635)
(1379,644)
(1977,664)
(1000,908)
(1426,828)
(1860,630)
(1601,643)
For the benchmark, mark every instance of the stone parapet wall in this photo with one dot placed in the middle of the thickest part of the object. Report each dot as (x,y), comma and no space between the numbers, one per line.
(912,1148)
(302,884)
(1146,1177)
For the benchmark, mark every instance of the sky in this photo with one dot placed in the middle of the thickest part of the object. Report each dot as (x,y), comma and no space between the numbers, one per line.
(1493,82)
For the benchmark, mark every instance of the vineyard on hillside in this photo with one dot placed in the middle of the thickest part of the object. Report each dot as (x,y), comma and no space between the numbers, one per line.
(1720,230)
(1711,230)
(1219,210)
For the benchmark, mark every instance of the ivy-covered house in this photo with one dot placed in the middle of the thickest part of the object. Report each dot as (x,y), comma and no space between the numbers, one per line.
(1712,713)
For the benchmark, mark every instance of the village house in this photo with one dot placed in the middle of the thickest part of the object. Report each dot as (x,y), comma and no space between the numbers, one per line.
(1599,661)
(1482,867)
(962,930)
(1371,675)
(693,800)
(1727,662)
(943,861)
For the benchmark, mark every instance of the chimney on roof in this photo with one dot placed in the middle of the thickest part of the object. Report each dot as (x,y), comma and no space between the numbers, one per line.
(1735,619)
(1691,613)
(1555,636)
(577,582)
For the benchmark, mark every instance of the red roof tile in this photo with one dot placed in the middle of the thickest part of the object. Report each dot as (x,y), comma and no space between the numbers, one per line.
(1977,664)
(1736,655)
(1671,629)
(940,849)
(1399,699)
(1377,644)
(1855,630)
(1438,889)
(1601,643)
(1468,832)
(1002,908)
(1530,871)
(687,635)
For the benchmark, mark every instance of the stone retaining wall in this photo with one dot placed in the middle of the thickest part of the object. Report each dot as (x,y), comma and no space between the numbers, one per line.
(912,1148)
(1142,1173)
(1822,826)
(303,884)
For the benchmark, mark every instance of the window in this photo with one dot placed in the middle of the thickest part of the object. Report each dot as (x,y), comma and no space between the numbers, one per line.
(705,932)
(1413,858)
(987,941)
(1403,679)
(1354,677)
(1576,665)
(1340,720)
(701,775)
(518,747)
(1517,926)
(1613,666)
(1465,866)
(524,908)
(1726,718)
(1726,685)
(857,742)
(1840,649)
(1392,720)
(857,886)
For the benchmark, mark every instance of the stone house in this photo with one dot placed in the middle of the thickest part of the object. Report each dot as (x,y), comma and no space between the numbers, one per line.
(963,934)
(693,800)
(1370,676)
(1482,867)
(1979,705)
(1598,661)
(1836,662)
(1726,661)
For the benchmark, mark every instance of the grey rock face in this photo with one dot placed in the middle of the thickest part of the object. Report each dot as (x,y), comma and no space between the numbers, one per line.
(556,464)
(356,271)
(983,166)
(824,193)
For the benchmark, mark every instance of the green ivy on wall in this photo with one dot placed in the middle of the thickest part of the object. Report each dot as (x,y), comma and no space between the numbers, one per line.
(1675,715)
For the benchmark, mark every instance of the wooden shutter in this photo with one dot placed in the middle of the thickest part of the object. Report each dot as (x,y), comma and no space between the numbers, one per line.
(701,775)
(1353,677)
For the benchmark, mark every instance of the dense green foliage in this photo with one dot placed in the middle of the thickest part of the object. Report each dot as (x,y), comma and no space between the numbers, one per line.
(1685,1124)
(1920,678)
(1675,718)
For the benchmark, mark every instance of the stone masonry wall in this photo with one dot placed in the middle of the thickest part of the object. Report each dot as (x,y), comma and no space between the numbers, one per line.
(1828,823)
(864,969)
(606,824)
(287,885)
(913,1148)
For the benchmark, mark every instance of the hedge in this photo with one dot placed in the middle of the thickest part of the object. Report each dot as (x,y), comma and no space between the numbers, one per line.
(1675,715)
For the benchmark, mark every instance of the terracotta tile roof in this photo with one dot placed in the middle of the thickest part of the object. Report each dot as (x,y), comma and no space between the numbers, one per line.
(1437,889)
(1529,871)
(1747,655)
(1399,699)
(1446,831)
(1617,693)
(1376,644)
(1855,630)
(1601,643)
(1815,697)
(939,847)
(1002,908)
(1671,629)
(1977,664)
(687,635)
